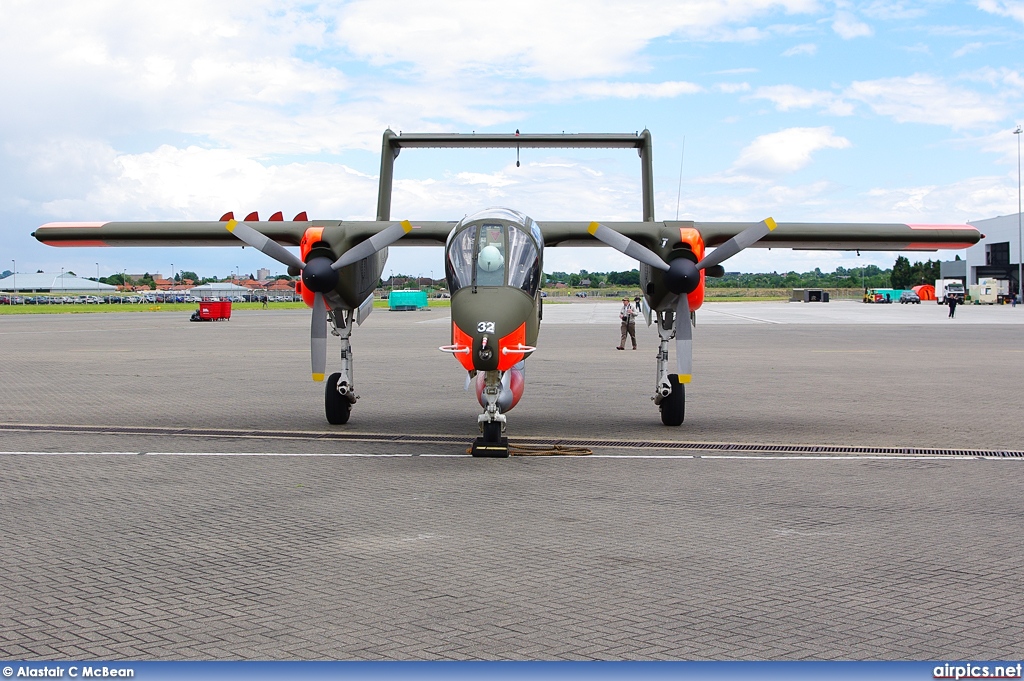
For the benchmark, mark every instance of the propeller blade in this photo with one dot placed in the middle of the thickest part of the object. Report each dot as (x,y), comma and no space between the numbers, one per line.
(381,239)
(318,338)
(684,340)
(264,244)
(736,244)
(624,244)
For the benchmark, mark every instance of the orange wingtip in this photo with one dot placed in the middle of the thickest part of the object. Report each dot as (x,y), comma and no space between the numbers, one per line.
(932,247)
(76,244)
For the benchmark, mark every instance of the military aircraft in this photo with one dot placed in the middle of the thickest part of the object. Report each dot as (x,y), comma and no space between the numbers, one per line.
(493,266)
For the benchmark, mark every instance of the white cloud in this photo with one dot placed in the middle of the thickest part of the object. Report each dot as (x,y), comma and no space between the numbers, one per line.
(789,97)
(968,199)
(732,88)
(923,98)
(619,90)
(785,151)
(810,49)
(967,49)
(1013,9)
(559,41)
(202,184)
(848,27)
(887,10)
(920,98)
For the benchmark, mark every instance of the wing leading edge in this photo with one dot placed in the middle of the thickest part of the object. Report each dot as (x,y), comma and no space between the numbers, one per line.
(217,234)
(845,236)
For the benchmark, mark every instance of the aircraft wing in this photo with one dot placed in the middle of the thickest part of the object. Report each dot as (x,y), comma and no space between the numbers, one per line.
(798,235)
(846,236)
(211,233)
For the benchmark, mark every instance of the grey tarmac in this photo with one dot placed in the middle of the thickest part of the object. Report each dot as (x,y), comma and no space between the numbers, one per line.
(633,554)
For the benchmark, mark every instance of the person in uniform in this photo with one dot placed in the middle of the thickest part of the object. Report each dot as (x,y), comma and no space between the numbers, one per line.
(627,315)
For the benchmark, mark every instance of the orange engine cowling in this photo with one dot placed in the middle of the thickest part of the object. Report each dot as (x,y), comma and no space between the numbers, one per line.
(692,238)
(512,385)
(310,237)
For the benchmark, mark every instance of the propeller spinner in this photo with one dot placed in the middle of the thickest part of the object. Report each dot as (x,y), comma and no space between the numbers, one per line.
(319,275)
(682,277)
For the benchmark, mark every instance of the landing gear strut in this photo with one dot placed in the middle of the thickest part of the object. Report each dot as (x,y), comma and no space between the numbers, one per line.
(669,393)
(492,421)
(339,394)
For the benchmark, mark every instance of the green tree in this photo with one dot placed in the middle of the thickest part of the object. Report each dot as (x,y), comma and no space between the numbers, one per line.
(903,273)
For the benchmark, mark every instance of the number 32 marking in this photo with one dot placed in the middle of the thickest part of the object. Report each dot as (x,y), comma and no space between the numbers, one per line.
(485,327)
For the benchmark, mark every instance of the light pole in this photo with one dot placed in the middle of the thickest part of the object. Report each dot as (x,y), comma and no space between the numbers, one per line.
(1020,261)
(62,285)
(97,283)
(15,284)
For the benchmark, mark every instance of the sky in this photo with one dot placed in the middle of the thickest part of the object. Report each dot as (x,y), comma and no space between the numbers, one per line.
(802,110)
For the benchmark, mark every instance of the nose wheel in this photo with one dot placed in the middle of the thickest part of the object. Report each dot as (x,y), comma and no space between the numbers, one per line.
(673,407)
(336,405)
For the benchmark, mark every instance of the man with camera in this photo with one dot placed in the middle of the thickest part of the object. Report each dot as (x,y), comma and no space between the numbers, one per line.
(628,316)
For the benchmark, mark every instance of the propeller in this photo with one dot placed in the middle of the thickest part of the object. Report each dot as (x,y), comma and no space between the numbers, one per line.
(319,275)
(682,277)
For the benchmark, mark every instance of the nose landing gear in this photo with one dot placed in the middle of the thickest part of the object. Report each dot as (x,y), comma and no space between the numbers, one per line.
(492,421)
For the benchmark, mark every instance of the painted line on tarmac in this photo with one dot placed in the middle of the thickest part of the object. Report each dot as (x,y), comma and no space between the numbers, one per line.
(740,316)
(349,455)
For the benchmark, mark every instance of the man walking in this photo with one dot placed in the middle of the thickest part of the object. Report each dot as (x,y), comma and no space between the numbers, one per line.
(628,317)
(952,306)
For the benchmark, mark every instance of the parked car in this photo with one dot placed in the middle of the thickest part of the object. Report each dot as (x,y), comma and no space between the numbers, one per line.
(910,297)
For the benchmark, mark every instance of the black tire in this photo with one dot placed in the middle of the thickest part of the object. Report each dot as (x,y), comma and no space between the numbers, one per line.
(673,407)
(492,432)
(337,407)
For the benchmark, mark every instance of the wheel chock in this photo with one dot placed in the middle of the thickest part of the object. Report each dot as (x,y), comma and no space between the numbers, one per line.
(497,449)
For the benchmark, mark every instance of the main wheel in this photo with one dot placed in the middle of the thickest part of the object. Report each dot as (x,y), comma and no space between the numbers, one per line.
(492,431)
(673,407)
(336,406)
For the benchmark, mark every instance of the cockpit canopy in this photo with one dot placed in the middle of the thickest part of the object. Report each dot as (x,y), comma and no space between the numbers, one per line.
(495,247)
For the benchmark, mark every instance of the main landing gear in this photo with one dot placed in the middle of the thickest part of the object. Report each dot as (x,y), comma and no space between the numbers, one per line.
(339,394)
(492,421)
(669,393)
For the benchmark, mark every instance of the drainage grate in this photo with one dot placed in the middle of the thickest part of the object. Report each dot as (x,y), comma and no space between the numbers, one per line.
(410,438)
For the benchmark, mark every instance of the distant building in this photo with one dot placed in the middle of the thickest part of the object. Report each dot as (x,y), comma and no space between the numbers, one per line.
(262,273)
(998,254)
(218,289)
(53,283)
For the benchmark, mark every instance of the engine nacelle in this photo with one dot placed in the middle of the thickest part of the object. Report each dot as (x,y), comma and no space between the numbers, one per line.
(513,382)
